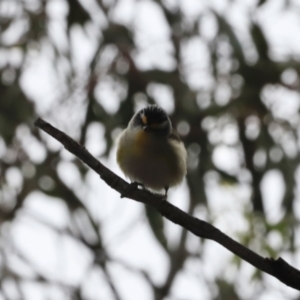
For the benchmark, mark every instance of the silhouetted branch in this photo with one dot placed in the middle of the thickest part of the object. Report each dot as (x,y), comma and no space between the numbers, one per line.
(275,267)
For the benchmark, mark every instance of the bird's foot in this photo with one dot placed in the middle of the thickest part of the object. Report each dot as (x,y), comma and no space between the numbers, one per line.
(166,192)
(165,196)
(131,187)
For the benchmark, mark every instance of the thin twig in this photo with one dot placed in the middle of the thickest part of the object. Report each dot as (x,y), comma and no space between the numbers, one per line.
(275,267)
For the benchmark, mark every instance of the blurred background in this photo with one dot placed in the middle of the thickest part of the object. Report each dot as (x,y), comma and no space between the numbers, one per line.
(227,73)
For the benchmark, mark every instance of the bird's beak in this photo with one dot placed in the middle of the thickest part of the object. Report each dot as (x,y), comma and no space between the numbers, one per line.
(145,128)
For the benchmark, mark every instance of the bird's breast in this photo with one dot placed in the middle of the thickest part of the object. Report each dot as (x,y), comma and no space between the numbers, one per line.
(148,159)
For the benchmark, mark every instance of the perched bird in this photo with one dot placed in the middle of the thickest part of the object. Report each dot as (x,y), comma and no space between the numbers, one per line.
(150,151)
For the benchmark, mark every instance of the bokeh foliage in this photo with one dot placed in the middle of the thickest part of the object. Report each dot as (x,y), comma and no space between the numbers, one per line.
(241,93)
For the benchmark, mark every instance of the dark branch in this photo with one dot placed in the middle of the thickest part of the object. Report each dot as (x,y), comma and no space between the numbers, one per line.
(277,268)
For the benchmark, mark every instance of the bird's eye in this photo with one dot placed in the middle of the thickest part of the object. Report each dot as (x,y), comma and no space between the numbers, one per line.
(162,125)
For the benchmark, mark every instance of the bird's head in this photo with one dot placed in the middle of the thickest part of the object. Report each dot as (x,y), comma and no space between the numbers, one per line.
(152,119)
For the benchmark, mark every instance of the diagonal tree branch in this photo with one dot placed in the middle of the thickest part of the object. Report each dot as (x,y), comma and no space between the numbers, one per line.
(278,268)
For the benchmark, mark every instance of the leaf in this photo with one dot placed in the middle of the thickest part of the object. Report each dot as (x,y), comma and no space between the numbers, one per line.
(260,41)
(12,114)
(119,35)
(77,14)
(225,28)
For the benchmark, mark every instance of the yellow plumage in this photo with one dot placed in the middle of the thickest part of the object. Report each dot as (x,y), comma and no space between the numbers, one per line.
(152,160)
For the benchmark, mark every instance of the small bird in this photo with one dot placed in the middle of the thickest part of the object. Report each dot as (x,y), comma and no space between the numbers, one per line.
(150,152)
